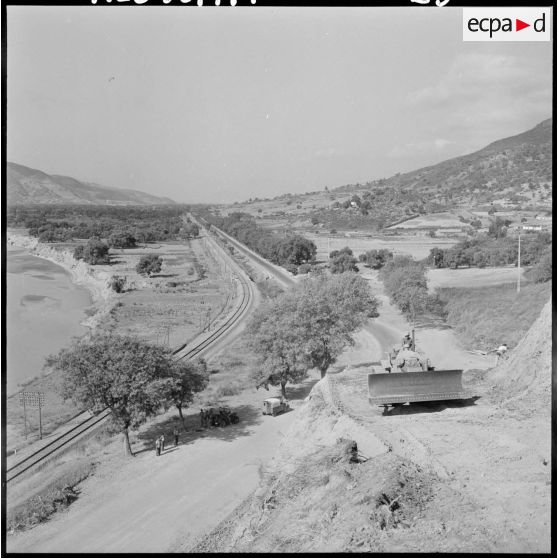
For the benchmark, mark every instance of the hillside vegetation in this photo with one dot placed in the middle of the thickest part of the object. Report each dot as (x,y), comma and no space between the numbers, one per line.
(512,173)
(483,318)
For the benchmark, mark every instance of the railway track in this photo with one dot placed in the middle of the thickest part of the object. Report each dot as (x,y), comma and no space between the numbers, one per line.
(89,425)
(49,450)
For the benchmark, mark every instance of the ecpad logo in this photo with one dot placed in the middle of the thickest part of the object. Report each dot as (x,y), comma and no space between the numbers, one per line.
(506,24)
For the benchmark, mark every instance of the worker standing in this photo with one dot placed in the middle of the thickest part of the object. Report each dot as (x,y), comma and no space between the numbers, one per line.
(500,352)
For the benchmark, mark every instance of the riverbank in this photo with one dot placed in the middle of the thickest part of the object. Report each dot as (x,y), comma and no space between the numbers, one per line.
(95,281)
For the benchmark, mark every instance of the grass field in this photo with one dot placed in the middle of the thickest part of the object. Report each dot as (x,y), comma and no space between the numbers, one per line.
(485,317)
(471,277)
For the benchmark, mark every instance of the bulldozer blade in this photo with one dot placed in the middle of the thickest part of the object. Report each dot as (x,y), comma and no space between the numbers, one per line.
(408,387)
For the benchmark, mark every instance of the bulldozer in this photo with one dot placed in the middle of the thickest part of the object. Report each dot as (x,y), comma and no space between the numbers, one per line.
(407,376)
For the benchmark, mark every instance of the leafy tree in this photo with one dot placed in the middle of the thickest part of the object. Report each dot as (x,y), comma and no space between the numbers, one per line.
(126,375)
(122,239)
(273,337)
(308,327)
(344,250)
(330,310)
(343,262)
(149,264)
(187,378)
(376,259)
(190,230)
(95,252)
(498,228)
(436,257)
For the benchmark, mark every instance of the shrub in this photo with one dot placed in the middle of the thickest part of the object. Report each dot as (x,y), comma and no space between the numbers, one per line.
(343,262)
(542,272)
(149,264)
(122,239)
(96,252)
(40,505)
(117,283)
(78,252)
(304,268)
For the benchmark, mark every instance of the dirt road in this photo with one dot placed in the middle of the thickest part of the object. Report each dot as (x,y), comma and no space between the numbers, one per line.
(161,504)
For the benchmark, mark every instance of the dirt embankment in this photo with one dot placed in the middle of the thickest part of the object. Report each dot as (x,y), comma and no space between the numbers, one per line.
(473,477)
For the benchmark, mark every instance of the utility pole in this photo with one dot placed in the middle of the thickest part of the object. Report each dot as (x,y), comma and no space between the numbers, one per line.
(518,263)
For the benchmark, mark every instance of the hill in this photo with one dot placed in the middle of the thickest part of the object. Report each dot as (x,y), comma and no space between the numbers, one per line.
(31,186)
(513,173)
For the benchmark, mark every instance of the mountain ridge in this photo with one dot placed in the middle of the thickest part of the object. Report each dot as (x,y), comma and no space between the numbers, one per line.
(29,186)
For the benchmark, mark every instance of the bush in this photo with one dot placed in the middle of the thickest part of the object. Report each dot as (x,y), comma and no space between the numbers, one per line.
(78,252)
(95,252)
(39,506)
(117,283)
(229,389)
(342,262)
(149,264)
(542,272)
(122,239)
(304,269)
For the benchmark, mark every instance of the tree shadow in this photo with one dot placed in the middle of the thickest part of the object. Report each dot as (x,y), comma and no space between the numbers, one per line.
(301,391)
(192,430)
(430,406)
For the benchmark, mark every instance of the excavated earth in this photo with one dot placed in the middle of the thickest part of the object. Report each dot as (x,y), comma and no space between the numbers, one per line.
(470,476)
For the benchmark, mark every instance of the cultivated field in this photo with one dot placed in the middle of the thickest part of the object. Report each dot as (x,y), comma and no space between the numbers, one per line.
(471,277)
(417,247)
(433,220)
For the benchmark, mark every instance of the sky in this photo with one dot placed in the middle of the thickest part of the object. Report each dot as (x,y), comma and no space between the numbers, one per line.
(221,104)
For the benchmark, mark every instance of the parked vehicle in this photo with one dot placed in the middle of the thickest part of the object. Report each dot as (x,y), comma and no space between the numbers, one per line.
(275,405)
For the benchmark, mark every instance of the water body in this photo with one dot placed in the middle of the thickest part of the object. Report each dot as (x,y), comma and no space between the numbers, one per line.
(44,310)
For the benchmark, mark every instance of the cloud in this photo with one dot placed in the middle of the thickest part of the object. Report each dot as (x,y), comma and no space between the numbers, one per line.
(485,92)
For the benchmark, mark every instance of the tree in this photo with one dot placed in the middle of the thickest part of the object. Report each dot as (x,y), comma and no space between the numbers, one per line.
(122,239)
(330,309)
(376,259)
(498,228)
(436,257)
(308,326)
(95,252)
(126,375)
(149,264)
(187,378)
(190,230)
(343,262)
(273,336)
